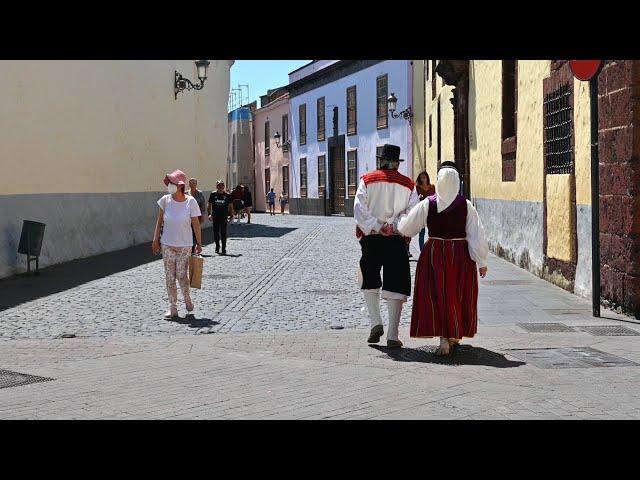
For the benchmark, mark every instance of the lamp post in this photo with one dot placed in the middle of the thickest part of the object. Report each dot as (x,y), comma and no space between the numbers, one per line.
(392,101)
(181,83)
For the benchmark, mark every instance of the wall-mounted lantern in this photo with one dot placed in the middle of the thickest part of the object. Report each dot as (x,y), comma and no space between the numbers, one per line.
(392,101)
(286,144)
(181,83)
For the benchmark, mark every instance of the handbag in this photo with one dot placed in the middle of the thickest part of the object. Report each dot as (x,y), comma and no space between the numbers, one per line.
(196,265)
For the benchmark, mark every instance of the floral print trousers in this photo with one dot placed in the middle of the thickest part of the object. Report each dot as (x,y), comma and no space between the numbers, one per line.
(176,267)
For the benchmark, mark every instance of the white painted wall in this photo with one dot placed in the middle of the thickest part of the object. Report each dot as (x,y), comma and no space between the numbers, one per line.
(368,136)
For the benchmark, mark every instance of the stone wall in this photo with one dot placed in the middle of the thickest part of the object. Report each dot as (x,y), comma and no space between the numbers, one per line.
(619,154)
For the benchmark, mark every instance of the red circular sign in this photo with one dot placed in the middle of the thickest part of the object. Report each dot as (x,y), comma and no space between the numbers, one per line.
(585,69)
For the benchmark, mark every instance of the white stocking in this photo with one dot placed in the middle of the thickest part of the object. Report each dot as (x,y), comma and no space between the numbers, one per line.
(372,297)
(395,310)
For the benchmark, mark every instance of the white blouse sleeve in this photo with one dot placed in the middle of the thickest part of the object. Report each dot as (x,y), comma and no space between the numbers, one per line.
(410,225)
(476,238)
(414,199)
(364,219)
(162,202)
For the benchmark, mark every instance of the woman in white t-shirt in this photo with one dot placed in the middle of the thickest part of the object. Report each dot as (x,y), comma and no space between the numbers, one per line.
(178,213)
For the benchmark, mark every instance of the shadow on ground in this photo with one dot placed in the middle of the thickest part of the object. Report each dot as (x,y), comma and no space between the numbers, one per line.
(64,276)
(461,355)
(254,230)
(192,322)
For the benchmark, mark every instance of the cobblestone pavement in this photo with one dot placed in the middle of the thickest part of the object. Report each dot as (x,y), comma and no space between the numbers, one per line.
(282,273)
(273,355)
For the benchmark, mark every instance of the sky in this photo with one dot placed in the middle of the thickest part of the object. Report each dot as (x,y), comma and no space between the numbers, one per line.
(261,75)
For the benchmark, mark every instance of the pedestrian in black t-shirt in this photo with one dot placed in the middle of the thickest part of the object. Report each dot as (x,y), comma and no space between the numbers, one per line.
(218,209)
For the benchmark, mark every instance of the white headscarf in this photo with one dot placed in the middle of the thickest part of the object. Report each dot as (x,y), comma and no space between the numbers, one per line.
(447,187)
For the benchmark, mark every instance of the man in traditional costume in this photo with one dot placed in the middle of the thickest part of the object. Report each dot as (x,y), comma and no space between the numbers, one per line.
(383,197)
(445,302)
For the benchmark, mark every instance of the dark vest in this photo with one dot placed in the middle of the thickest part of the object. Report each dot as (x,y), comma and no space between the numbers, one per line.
(451,222)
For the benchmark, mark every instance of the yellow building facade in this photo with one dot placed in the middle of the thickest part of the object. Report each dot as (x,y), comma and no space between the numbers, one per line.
(536,215)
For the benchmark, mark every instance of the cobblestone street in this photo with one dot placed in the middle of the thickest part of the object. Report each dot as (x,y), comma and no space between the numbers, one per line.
(260,344)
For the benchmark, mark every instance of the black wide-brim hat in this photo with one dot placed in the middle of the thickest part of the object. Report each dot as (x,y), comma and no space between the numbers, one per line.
(391,153)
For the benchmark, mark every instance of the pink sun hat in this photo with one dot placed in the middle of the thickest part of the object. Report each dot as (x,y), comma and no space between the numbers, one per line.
(177,177)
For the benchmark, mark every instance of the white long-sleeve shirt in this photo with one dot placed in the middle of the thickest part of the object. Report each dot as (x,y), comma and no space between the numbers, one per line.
(416,220)
(383,196)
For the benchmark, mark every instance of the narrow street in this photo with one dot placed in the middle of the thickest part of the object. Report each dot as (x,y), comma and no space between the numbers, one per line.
(261,342)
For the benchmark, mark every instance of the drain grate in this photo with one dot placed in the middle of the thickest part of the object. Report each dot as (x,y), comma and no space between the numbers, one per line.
(609,331)
(545,327)
(574,357)
(508,282)
(10,379)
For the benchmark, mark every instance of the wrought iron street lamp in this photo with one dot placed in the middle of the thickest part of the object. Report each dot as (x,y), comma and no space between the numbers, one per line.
(181,83)
(392,101)
(277,137)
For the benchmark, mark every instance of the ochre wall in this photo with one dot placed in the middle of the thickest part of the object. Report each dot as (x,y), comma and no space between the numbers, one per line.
(443,95)
(109,126)
(485,133)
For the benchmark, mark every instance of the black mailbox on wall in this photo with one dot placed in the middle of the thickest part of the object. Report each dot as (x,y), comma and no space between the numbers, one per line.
(31,241)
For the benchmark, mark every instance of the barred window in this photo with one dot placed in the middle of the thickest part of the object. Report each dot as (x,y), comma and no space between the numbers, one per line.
(285,132)
(267,180)
(558,128)
(352,166)
(285,179)
(267,147)
(509,119)
(320,117)
(303,177)
(352,113)
(302,116)
(382,111)
(322,176)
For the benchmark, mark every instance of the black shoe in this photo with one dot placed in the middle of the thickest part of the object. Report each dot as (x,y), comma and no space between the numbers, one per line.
(224,252)
(217,249)
(376,333)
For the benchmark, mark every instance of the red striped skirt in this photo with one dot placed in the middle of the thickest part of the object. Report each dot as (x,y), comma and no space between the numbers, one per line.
(445,298)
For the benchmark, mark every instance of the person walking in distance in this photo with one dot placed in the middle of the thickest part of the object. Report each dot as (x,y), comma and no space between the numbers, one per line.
(424,189)
(247,200)
(202,204)
(383,198)
(178,213)
(218,210)
(237,206)
(284,199)
(271,200)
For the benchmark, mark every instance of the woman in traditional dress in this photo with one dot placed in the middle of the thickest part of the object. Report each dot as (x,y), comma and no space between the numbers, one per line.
(445,302)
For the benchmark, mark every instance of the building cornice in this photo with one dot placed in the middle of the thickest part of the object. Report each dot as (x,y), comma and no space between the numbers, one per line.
(328,75)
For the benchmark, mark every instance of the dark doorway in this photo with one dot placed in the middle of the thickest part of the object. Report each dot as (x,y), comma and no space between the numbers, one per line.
(337,189)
